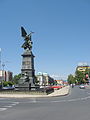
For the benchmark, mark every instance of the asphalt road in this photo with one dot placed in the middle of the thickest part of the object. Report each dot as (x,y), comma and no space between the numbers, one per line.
(75,106)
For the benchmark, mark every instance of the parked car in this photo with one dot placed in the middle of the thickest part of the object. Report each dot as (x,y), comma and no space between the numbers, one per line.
(56,86)
(82,86)
(8,88)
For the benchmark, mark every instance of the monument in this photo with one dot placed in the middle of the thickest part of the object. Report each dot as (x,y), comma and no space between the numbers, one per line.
(27,80)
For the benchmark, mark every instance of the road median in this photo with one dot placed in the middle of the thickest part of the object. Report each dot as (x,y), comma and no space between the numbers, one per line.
(60,92)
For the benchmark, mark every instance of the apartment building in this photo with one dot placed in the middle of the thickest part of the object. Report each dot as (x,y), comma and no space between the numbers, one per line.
(5,75)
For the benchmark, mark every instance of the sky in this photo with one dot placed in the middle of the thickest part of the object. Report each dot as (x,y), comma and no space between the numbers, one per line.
(61,39)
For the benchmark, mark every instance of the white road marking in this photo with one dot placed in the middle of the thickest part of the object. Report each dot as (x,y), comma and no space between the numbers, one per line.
(7,106)
(2,109)
(59,101)
(13,104)
(33,100)
(72,100)
(16,102)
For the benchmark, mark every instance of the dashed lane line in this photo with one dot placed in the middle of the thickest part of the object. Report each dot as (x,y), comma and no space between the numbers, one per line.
(71,100)
(13,104)
(16,102)
(8,106)
(2,109)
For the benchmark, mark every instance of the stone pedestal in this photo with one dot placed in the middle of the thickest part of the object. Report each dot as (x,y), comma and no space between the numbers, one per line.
(26,82)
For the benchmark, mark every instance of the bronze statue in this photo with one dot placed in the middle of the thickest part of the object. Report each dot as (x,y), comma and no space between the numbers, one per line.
(28,42)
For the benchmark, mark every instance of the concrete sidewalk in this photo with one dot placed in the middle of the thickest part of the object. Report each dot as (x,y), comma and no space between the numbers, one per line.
(61,92)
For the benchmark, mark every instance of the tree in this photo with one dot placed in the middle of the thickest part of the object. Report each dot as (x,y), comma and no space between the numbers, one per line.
(71,79)
(16,78)
(80,77)
(55,82)
(87,75)
(7,83)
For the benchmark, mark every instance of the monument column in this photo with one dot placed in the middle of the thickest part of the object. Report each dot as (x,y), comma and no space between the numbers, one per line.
(27,80)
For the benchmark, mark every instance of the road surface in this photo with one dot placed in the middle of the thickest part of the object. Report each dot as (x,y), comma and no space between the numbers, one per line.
(75,106)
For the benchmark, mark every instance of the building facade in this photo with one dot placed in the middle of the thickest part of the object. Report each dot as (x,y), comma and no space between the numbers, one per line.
(60,82)
(5,75)
(44,79)
(82,68)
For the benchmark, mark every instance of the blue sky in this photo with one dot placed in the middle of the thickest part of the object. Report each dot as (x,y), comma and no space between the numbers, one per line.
(61,39)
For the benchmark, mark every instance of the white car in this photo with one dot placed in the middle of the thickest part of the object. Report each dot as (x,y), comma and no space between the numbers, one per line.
(82,86)
(8,88)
